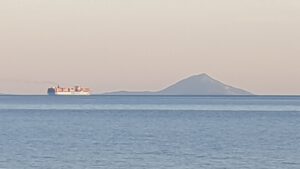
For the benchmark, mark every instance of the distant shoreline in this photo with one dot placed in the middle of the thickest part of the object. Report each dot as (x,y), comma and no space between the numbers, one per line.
(105,95)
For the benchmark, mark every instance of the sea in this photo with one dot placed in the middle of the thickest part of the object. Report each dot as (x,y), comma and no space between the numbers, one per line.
(150,132)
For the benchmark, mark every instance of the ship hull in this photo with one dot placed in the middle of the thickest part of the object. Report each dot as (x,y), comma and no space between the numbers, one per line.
(73,91)
(69,94)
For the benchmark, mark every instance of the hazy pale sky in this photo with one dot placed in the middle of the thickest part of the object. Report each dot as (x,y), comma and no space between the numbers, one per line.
(113,45)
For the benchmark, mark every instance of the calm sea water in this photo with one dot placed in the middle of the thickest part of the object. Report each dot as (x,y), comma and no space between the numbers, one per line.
(149,132)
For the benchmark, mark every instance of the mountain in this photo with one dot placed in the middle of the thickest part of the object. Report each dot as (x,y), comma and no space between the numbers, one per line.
(131,93)
(195,85)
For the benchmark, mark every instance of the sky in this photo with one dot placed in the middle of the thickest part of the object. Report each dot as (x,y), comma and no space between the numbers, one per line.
(111,45)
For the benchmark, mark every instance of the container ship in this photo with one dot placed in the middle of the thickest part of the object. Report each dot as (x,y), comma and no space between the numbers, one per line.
(69,91)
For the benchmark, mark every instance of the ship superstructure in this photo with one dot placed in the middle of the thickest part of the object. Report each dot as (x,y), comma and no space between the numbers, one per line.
(77,90)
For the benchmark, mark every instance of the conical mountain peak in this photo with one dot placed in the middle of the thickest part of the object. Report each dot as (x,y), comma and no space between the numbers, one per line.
(202,75)
(201,84)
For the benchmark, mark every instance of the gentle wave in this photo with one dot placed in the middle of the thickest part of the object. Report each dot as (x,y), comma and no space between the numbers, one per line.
(151,107)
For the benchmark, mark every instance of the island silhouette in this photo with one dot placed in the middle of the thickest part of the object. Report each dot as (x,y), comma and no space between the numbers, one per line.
(201,84)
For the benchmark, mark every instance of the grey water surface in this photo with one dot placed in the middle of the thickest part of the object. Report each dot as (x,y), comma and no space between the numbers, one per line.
(150,132)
